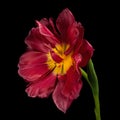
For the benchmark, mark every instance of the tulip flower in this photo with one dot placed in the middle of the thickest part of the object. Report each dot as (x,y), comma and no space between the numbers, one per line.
(52,64)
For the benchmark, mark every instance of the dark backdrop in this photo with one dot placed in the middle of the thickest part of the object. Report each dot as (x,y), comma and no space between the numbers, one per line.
(22,19)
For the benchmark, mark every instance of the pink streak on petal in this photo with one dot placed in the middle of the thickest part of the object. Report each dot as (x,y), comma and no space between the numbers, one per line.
(43,87)
(81,31)
(64,20)
(77,58)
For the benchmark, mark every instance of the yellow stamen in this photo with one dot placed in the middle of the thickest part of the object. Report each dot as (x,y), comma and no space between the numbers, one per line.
(62,67)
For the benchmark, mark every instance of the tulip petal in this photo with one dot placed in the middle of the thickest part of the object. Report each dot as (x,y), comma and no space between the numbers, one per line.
(33,72)
(64,20)
(56,57)
(43,87)
(73,84)
(61,101)
(32,66)
(74,36)
(47,34)
(86,50)
(75,32)
(37,42)
(50,25)
(77,58)
(32,58)
(67,89)
(53,28)
(45,22)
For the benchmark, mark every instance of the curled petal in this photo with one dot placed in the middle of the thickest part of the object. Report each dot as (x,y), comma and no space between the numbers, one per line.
(81,31)
(47,34)
(45,22)
(77,58)
(43,87)
(86,51)
(75,32)
(74,36)
(56,57)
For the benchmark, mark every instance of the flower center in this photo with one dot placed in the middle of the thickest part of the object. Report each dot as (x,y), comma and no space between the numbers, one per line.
(60,68)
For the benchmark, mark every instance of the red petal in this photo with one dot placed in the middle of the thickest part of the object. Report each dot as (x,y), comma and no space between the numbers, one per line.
(61,101)
(67,89)
(56,57)
(53,28)
(86,50)
(74,33)
(73,84)
(32,66)
(37,42)
(74,36)
(47,34)
(62,77)
(44,21)
(32,58)
(43,87)
(50,25)
(64,20)
(32,73)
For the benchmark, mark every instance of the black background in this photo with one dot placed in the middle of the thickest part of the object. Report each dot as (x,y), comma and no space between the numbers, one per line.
(93,16)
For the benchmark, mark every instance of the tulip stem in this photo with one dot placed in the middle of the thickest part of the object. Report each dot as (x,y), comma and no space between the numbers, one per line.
(91,77)
(84,74)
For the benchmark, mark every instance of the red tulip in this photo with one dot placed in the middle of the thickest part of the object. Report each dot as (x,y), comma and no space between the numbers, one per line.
(55,54)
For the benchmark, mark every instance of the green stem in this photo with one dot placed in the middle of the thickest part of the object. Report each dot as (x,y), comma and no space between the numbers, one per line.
(92,80)
(85,76)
